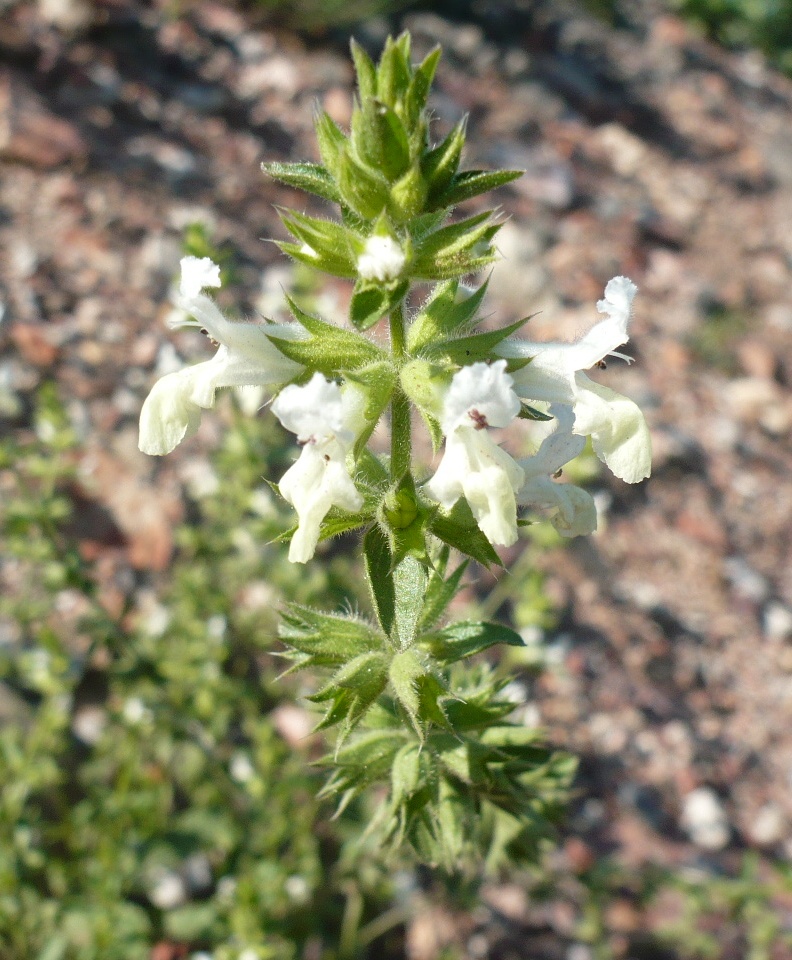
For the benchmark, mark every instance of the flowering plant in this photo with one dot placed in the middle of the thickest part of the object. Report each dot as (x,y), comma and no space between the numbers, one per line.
(411,711)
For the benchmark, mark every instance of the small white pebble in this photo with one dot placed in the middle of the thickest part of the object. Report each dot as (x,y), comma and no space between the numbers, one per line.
(705,820)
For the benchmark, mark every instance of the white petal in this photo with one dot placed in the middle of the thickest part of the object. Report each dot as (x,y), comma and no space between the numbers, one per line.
(547,377)
(617,303)
(557,448)
(316,482)
(480,393)
(575,513)
(475,467)
(382,259)
(446,484)
(196,274)
(314,411)
(617,427)
(169,414)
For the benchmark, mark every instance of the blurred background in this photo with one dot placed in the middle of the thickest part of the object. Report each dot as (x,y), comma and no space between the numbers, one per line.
(157,794)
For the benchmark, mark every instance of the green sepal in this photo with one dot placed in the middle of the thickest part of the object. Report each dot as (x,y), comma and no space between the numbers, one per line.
(378,381)
(326,639)
(393,72)
(443,315)
(420,85)
(462,264)
(372,300)
(456,250)
(531,413)
(330,350)
(421,227)
(425,384)
(331,140)
(405,517)
(471,183)
(330,241)
(460,640)
(310,177)
(441,164)
(478,346)
(364,189)
(379,138)
(454,238)
(458,528)
(365,70)
(408,195)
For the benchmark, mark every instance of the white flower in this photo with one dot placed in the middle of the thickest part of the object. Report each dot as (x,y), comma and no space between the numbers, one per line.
(473,465)
(382,259)
(615,424)
(575,513)
(326,420)
(245,357)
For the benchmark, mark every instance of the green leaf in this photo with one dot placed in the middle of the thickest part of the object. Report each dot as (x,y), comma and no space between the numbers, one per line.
(332,141)
(328,639)
(310,177)
(471,183)
(458,528)
(330,350)
(443,314)
(531,413)
(460,640)
(372,300)
(440,164)
(439,593)
(478,346)
(329,240)
(405,773)
(409,580)
(420,85)
(405,669)
(365,70)
(377,558)
(352,690)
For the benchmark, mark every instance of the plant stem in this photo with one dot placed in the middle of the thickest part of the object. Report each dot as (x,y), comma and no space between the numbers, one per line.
(401,443)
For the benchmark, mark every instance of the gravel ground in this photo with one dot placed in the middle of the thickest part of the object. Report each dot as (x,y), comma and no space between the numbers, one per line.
(648,152)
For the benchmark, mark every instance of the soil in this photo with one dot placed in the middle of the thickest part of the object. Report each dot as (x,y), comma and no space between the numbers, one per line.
(648,152)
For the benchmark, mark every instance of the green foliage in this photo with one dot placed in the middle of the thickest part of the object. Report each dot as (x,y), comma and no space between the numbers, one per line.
(185,774)
(713,342)
(197,242)
(477,785)
(317,16)
(764,24)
